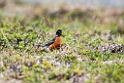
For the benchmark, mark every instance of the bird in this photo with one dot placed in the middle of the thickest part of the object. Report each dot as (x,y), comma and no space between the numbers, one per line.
(56,42)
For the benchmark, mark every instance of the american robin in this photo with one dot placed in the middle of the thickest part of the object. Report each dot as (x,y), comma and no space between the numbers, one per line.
(56,42)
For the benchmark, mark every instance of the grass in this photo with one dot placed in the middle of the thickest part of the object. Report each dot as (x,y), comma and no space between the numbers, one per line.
(81,58)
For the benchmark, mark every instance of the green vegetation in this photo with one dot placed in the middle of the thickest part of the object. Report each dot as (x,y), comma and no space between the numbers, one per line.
(92,50)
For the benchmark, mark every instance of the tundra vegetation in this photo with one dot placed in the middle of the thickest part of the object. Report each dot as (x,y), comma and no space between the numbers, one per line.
(92,51)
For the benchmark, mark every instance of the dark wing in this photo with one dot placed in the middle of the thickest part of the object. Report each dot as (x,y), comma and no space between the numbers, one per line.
(49,43)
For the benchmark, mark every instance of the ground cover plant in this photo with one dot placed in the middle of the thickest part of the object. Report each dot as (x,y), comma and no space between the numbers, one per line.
(92,51)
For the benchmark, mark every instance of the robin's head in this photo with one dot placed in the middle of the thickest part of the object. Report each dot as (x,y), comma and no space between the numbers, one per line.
(58,32)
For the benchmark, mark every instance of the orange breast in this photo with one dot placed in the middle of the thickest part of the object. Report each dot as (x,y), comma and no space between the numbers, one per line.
(57,44)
